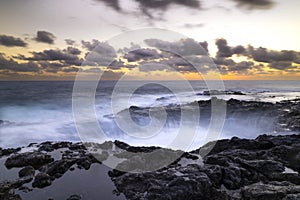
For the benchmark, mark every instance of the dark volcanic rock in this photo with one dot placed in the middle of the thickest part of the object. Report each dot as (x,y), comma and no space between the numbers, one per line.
(263,168)
(271,191)
(74,197)
(41,180)
(57,168)
(7,192)
(234,169)
(27,171)
(34,159)
(7,152)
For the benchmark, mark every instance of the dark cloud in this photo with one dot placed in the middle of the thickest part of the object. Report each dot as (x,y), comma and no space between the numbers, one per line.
(51,65)
(90,45)
(70,69)
(223,49)
(142,54)
(238,49)
(70,42)
(45,37)
(67,56)
(115,4)
(11,65)
(204,45)
(101,53)
(51,54)
(255,4)
(150,7)
(10,41)
(264,55)
(282,65)
(223,61)
(73,51)
(184,47)
(226,65)
(241,66)
(111,75)
(279,59)
(118,64)
(179,64)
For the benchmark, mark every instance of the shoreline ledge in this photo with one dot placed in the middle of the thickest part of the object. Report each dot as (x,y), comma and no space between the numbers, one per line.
(264,168)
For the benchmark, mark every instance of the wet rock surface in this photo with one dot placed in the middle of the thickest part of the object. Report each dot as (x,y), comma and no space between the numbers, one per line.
(233,169)
(269,117)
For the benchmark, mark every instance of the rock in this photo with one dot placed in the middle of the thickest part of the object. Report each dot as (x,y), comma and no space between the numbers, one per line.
(7,192)
(34,159)
(57,167)
(234,169)
(272,191)
(74,197)
(27,171)
(7,152)
(19,182)
(41,180)
(216,92)
(25,189)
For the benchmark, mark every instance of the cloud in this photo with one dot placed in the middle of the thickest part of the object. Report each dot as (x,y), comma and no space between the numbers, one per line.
(188,25)
(51,54)
(155,66)
(45,37)
(282,65)
(90,45)
(115,4)
(204,45)
(223,49)
(255,4)
(66,57)
(238,49)
(142,54)
(73,51)
(279,60)
(12,65)
(265,55)
(150,7)
(70,69)
(101,53)
(179,64)
(183,47)
(226,65)
(70,42)
(10,41)
(223,61)
(241,66)
(111,75)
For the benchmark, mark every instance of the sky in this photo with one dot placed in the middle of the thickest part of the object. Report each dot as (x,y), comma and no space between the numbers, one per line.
(244,39)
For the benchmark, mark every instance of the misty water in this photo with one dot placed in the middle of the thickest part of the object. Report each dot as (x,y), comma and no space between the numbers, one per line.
(36,111)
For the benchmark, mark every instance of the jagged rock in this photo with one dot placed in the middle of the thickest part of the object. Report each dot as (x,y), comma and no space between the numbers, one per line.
(27,171)
(7,152)
(74,197)
(57,167)
(35,159)
(273,190)
(234,169)
(7,191)
(41,180)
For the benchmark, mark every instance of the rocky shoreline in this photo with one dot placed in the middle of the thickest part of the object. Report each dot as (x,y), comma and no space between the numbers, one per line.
(264,168)
(283,116)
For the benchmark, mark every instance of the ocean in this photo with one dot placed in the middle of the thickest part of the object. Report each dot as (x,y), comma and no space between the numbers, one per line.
(37,111)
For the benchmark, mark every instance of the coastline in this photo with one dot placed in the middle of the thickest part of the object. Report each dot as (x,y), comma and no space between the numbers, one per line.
(263,168)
